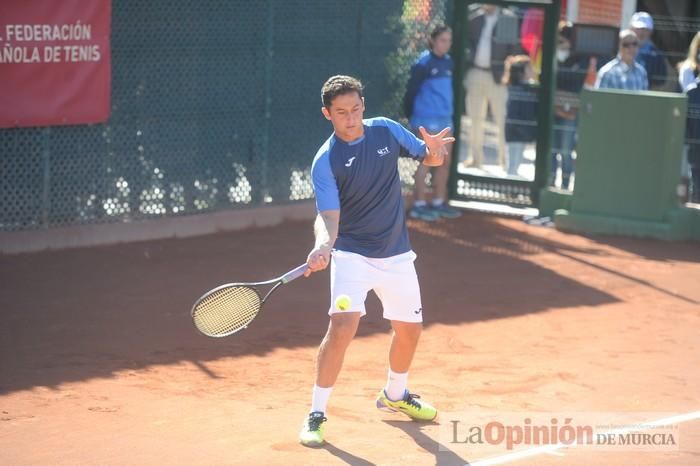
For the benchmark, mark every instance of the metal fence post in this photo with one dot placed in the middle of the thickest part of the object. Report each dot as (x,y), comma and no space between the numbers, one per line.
(46,184)
(267,108)
(546,104)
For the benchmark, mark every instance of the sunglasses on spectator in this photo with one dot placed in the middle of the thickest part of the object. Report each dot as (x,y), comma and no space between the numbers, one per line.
(630,44)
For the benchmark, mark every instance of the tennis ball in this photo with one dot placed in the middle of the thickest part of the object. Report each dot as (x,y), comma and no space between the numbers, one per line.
(342,302)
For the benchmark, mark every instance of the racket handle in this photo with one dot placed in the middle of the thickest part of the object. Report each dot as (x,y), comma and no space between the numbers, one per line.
(294,274)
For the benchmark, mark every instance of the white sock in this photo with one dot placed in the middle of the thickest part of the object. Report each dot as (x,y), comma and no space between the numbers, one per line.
(396,385)
(437,202)
(420,203)
(319,398)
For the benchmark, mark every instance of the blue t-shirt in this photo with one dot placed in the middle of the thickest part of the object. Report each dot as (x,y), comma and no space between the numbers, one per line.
(429,88)
(361,179)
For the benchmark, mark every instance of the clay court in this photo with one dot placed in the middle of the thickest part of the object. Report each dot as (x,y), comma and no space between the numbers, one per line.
(101,364)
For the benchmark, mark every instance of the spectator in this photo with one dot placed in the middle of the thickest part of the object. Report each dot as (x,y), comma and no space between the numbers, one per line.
(648,55)
(428,102)
(623,72)
(493,36)
(689,68)
(521,126)
(571,74)
(688,74)
(692,136)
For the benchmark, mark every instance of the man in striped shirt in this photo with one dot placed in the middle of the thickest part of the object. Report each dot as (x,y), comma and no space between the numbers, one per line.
(623,72)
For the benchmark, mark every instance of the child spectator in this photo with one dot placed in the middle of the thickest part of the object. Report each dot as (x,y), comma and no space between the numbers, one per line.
(429,103)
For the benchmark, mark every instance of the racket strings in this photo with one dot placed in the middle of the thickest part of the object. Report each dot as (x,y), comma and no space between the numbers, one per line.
(227,310)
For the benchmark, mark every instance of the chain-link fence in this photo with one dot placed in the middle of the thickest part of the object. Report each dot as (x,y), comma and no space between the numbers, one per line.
(215,105)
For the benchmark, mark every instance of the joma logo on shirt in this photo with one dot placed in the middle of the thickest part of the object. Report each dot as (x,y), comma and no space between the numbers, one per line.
(383,152)
(350,161)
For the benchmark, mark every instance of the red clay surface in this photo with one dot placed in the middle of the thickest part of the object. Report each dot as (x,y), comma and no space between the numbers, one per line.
(100,364)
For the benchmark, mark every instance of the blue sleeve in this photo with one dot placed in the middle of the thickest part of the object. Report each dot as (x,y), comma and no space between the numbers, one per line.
(603,81)
(325,187)
(419,73)
(414,147)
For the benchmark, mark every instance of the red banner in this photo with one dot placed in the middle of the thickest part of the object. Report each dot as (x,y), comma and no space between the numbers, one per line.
(55,65)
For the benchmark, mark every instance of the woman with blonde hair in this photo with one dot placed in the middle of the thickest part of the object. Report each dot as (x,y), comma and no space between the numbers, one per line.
(690,67)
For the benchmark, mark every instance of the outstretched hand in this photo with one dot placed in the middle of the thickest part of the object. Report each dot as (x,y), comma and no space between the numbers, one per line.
(436,146)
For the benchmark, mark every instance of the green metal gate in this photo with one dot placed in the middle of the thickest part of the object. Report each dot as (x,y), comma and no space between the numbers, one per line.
(489,187)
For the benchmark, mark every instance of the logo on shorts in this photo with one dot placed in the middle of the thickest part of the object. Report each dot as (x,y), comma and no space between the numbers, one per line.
(420,309)
(383,152)
(350,161)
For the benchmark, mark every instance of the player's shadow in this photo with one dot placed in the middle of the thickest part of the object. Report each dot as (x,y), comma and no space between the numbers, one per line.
(443,455)
(508,267)
(345,456)
(79,314)
(656,250)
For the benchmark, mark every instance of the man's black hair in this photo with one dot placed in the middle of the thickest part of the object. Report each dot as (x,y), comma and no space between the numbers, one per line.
(339,85)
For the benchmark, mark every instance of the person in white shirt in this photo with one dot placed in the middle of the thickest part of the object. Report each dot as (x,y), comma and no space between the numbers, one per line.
(623,72)
(493,37)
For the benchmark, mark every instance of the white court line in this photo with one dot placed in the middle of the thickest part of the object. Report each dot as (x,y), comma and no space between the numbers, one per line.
(552,449)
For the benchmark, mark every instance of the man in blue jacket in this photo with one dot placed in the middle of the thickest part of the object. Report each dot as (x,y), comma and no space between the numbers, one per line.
(649,56)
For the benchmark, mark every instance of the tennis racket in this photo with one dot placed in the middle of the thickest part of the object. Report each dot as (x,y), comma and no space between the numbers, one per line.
(229,308)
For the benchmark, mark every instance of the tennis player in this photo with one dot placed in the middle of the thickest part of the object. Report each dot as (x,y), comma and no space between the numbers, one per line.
(360,231)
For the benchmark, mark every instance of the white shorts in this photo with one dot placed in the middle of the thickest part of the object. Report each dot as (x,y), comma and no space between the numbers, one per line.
(393,279)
